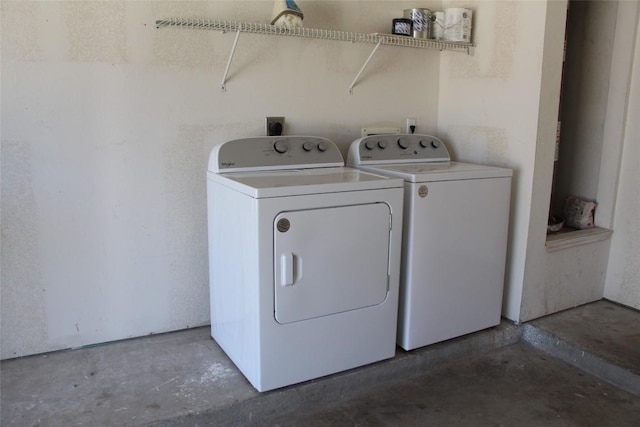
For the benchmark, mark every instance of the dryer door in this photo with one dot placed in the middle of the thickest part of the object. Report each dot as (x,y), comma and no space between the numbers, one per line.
(330,260)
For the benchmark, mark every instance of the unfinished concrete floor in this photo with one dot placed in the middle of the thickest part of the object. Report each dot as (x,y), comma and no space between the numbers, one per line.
(580,367)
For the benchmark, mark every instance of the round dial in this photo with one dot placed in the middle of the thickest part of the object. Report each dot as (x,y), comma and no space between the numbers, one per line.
(281,146)
(423,143)
(307,146)
(435,143)
(382,144)
(322,146)
(369,145)
(403,143)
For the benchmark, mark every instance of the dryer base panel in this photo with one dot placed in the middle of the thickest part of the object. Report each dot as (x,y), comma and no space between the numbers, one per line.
(253,315)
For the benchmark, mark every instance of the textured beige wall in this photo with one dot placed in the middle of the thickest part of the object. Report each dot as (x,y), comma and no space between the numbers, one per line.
(489,112)
(623,273)
(107,123)
(500,107)
(557,280)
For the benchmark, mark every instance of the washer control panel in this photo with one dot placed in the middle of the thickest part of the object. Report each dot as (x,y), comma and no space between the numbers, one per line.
(274,153)
(380,149)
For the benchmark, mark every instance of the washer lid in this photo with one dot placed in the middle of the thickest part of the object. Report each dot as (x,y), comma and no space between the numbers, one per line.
(447,171)
(306,181)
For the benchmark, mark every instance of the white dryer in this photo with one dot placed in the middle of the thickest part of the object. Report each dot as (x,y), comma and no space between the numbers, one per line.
(456,218)
(304,258)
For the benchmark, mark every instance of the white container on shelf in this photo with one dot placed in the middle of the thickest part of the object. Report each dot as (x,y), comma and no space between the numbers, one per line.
(458,24)
(438,26)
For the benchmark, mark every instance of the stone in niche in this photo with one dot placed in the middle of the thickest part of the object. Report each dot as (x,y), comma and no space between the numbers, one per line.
(579,213)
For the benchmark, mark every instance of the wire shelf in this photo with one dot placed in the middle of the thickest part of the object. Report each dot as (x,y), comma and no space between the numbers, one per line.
(314,33)
(257,28)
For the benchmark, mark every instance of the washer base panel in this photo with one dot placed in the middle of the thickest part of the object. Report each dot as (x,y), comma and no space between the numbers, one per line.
(453,264)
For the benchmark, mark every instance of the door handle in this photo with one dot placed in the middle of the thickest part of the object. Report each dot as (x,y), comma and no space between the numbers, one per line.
(286,269)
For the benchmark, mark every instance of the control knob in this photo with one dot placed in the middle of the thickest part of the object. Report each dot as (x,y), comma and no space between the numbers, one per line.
(403,143)
(382,144)
(369,145)
(307,146)
(435,143)
(281,146)
(322,146)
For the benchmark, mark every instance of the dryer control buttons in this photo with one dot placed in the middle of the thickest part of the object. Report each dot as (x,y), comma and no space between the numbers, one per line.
(322,146)
(307,146)
(382,145)
(369,145)
(403,143)
(433,143)
(281,146)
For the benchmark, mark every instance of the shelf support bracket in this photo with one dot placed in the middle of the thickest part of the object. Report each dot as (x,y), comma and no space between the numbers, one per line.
(233,51)
(353,83)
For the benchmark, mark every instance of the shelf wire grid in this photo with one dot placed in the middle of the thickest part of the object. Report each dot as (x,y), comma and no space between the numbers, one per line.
(314,33)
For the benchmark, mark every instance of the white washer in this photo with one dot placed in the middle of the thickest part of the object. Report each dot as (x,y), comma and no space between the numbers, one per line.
(456,220)
(304,258)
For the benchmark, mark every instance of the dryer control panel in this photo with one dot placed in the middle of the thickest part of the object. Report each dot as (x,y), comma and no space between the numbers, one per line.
(382,149)
(274,153)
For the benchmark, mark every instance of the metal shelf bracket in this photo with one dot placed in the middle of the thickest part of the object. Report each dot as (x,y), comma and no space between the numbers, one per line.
(353,83)
(233,51)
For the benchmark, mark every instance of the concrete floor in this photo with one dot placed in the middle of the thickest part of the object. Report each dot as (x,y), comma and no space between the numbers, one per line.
(512,386)
(580,367)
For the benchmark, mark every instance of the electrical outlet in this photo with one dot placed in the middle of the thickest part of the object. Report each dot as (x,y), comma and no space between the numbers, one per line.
(274,126)
(410,126)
